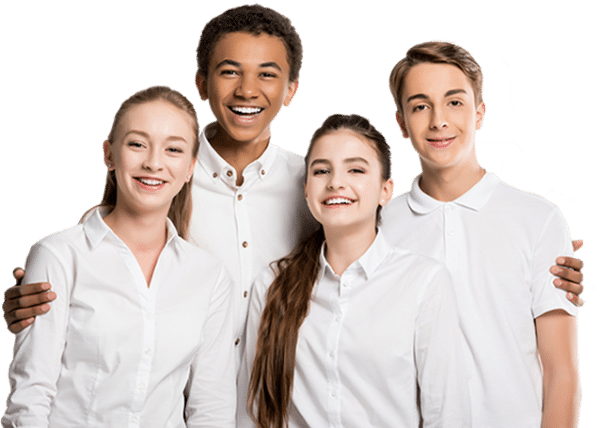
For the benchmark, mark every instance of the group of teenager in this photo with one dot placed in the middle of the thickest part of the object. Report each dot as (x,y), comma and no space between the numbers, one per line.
(225,282)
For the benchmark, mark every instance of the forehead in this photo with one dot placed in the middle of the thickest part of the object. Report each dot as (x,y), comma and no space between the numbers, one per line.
(343,144)
(250,49)
(157,118)
(435,80)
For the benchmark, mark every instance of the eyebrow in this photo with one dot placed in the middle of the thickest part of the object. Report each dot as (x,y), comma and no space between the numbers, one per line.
(425,97)
(239,65)
(147,136)
(347,160)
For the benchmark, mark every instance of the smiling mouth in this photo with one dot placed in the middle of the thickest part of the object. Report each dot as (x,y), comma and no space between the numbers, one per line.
(338,201)
(246,111)
(150,181)
(441,143)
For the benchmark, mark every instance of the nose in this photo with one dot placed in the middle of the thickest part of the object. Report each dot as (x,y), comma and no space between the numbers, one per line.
(247,87)
(438,119)
(153,160)
(336,181)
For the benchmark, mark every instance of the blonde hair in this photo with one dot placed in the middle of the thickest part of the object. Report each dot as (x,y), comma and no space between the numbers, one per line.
(180,211)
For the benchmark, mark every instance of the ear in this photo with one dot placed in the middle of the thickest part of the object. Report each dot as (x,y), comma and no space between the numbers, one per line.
(190,170)
(387,191)
(202,86)
(108,156)
(479,115)
(402,124)
(291,91)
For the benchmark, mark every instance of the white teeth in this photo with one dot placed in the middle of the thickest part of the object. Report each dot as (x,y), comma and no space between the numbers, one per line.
(336,201)
(246,110)
(150,182)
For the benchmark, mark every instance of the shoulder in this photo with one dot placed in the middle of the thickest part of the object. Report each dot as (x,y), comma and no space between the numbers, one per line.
(290,160)
(526,201)
(63,241)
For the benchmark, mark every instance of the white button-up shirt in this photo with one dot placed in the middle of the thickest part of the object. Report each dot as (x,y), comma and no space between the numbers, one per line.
(248,226)
(498,243)
(114,352)
(377,340)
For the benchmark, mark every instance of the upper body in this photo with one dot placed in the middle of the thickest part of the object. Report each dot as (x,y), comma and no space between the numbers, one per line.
(377,337)
(248,226)
(477,236)
(115,352)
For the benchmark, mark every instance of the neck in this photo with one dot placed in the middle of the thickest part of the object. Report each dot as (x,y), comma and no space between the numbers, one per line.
(448,184)
(140,232)
(345,247)
(238,154)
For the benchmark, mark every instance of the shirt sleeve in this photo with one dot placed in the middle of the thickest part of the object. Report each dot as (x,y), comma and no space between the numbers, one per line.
(554,241)
(442,376)
(38,349)
(257,304)
(210,391)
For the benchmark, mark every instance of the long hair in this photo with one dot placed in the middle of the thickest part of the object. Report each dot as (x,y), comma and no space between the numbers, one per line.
(288,299)
(180,211)
(436,53)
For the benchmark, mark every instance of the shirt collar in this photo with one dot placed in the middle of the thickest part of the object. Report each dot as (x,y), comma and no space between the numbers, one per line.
(96,230)
(475,198)
(216,167)
(367,263)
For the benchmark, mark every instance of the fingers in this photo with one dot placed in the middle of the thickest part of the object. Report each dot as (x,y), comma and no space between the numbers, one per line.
(18,273)
(575,299)
(22,302)
(567,274)
(577,244)
(570,262)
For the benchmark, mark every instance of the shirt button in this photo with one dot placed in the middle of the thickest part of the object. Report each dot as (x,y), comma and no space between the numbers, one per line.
(215,175)
(240,197)
(141,386)
(237,341)
(448,208)
(451,232)
(147,351)
(229,173)
(245,244)
(245,294)
(263,172)
(134,418)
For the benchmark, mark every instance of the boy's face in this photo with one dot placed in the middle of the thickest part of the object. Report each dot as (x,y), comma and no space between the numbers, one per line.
(439,115)
(246,84)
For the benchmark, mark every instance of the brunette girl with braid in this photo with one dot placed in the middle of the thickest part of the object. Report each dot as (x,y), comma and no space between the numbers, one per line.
(348,331)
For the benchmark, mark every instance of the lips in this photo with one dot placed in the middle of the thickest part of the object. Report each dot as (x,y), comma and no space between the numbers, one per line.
(245,111)
(151,184)
(441,143)
(337,201)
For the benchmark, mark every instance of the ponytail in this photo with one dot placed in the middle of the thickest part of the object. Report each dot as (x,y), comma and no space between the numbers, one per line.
(287,305)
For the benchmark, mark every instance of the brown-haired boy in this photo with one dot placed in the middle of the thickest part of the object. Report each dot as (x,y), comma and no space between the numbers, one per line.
(497,242)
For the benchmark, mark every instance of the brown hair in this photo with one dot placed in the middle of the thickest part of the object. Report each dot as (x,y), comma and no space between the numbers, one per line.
(437,53)
(180,211)
(288,299)
(254,19)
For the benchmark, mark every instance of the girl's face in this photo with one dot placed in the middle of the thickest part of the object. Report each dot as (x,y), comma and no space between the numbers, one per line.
(344,184)
(151,156)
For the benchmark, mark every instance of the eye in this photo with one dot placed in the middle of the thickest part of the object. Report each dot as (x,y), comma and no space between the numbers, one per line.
(419,107)
(456,103)
(135,144)
(357,170)
(228,72)
(320,171)
(268,75)
(174,150)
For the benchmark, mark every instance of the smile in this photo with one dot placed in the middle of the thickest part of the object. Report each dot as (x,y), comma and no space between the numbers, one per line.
(246,111)
(441,143)
(338,201)
(150,183)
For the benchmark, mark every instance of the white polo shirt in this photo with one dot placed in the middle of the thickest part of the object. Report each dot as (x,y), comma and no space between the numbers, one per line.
(249,226)
(380,346)
(498,243)
(114,352)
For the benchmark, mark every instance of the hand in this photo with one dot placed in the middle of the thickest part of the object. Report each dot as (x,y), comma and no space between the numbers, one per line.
(22,303)
(569,276)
